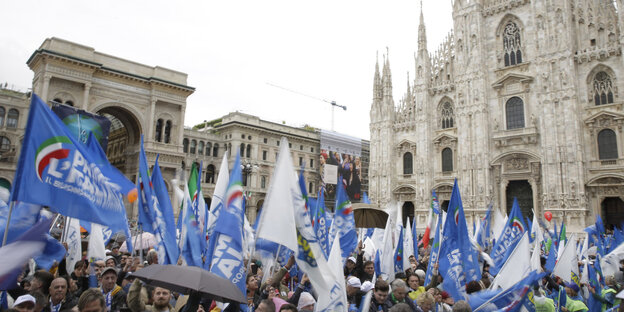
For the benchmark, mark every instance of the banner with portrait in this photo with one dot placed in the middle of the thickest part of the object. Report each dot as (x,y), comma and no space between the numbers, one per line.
(340,157)
(81,123)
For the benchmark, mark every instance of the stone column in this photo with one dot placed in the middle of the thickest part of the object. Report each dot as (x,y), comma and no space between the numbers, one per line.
(150,124)
(46,85)
(85,95)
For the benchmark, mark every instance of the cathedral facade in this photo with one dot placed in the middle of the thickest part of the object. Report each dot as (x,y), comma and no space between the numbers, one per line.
(521,100)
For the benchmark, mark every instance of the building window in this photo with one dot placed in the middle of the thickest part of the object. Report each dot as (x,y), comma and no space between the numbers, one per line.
(229,148)
(193,146)
(159,128)
(301,147)
(242,150)
(277,142)
(512,44)
(263,182)
(607,144)
(200,148)
(407,163)
(215,150)
(311,188)
(447,160)
(264,155)
(289,145)
(168,131)
(2,112)
(242,136)
(603,89)
(248,153)
(210,173)
(514,110)
(185,144)
(265,140)
(300,161)
(12,118)
(5,144)
(311,149)
(311,162)
(208,148)
(446,115)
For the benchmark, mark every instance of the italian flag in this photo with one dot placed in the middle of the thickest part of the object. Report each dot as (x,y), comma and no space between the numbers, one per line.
(435,208)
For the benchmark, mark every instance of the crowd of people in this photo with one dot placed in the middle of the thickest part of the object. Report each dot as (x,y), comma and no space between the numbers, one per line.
(108,285)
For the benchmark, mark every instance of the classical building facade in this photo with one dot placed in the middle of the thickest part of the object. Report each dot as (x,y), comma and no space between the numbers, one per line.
(520,100)
(151,101)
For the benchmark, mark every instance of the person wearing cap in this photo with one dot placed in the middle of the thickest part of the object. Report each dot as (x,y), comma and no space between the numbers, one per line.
(60,299)
(349,268)
(25,303)
(573,304)
(306,302)
(115,252)
(354,294)
(114,296)
(110,261)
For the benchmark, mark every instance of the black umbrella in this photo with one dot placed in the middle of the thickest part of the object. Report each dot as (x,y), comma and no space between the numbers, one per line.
(366,217)
(185,279)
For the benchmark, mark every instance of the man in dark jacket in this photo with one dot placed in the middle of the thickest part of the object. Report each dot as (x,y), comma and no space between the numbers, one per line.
(399,295)
(60,299)
(380,295)
(114,296)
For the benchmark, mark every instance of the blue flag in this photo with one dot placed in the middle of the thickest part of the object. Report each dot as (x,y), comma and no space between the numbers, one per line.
(14,255)
(458,260)
(551,260)
(398,254)
(320,224)
(415,237)
(23,217)
(54,251)
(146,204)
(511,299)
(483,235)
(506,243)
(344,223)
(377,263)
(435,251)
(592,303)
(165,217)
(56,170)
(227,256)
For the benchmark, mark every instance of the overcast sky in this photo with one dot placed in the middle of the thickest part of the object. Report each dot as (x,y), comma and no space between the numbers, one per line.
(233,50)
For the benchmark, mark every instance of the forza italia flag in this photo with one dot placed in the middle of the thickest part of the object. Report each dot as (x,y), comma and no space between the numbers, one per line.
(58,171)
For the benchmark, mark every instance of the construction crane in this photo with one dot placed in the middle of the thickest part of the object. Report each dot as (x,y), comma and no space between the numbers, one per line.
(333,103)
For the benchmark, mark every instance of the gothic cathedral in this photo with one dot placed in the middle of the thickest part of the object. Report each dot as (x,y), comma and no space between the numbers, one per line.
(521,100)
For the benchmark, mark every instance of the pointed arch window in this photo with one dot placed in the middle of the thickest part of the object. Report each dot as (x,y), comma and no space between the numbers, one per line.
(607,144)
(159,128)
(514,113)
(200,148)
(446,115)
(12,118)
(185,145)
(603,88)
(168,131)
(447,160)
(407,163)
(512,45)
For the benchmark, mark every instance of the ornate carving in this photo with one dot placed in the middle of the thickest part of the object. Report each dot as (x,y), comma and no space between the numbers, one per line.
(516,164)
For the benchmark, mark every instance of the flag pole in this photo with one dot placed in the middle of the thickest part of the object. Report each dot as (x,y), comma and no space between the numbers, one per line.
(6,229)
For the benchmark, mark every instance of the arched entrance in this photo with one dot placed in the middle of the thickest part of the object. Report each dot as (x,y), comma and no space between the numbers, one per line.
(612,211)
(408,212)
(522,190)
(444,205)
(123,139)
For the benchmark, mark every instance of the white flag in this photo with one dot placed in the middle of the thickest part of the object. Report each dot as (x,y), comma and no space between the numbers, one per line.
(536,263)
(96,250)
(337,298)
(74,244)
(567,263)
(537,230)
(499,223)
(408,246)
(386,262)
(517,267)
(278,203)
(217,197)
